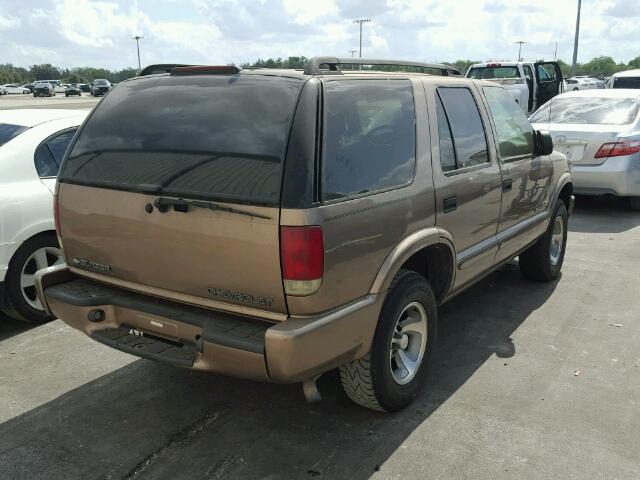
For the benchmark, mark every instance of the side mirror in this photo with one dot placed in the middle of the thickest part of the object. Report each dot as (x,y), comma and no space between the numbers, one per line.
(543,143)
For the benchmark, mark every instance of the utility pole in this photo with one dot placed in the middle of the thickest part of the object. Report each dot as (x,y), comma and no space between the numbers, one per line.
(520,43)
(361,21)
(353,53)
(137,38)
(555,53)
(575,42)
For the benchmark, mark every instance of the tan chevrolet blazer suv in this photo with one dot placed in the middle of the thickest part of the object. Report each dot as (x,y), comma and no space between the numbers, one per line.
(278,224)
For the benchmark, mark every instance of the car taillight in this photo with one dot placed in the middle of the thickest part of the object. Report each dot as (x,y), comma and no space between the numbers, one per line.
(618,149)
(302,257)
(56,214)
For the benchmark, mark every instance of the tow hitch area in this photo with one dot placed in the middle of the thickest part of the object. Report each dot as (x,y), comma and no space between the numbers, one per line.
(130,340)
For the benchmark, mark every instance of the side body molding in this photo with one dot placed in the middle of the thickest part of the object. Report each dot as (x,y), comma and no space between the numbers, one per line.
(405,249)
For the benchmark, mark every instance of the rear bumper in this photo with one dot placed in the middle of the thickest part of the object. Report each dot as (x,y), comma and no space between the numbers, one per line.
(617,176)
(290,351)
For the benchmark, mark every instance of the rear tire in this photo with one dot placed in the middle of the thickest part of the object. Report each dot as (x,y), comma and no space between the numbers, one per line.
(542,261)
(635,203)
(381,380)
(23,303)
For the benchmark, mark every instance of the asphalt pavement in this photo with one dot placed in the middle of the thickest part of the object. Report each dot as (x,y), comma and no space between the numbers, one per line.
(16,101)
(529,381)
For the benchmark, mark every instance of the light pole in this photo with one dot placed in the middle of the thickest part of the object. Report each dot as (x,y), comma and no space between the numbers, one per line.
(520,43)
(361,21)
(575,42)
(137,38)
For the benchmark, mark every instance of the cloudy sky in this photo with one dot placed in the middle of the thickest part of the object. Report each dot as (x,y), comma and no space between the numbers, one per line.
(73,33)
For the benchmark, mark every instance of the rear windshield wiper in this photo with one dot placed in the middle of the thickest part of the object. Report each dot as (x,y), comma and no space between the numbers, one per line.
(183,205)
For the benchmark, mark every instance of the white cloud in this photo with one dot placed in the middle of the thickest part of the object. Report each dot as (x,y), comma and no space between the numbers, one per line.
(89,32)
(304,12)
(9,22)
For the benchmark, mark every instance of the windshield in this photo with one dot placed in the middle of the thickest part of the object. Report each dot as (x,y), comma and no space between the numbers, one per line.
(100,82)
(480,73)
(626,82)
(211,137)
(9,131)
(588,110)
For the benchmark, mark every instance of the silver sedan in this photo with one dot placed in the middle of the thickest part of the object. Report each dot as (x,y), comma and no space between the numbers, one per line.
(599,132)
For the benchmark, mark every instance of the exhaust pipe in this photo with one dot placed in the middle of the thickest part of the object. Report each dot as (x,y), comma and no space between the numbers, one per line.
(310,390)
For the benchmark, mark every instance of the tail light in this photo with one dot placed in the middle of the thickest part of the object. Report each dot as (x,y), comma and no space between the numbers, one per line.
(56,214)
(618,149)
(302,257)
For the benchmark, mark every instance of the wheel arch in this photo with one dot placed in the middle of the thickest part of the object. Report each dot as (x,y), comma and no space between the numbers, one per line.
(429,252)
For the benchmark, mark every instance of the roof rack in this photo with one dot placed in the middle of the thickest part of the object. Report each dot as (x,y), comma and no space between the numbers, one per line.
(160,68)
(331,65)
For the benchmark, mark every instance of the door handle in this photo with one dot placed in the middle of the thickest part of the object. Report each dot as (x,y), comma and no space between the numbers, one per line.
(449,204)
(507,183)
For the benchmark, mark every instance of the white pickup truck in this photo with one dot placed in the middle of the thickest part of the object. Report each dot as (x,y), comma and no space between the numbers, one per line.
(531,84)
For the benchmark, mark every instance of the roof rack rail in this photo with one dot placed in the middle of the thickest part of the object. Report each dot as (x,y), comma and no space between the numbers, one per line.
(331,65)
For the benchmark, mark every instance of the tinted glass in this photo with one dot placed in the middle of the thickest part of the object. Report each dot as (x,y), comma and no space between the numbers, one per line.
(494,72)
(626,82)
(515,134)
(370,136)
(588,110)
(9,131)
(59,144)
(203,136)
(447,153)
(46,165)
(468,133)
(546,72)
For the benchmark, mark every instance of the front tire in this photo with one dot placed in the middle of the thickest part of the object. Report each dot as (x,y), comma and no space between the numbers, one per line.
(542,261)
(36,253)
(391,375)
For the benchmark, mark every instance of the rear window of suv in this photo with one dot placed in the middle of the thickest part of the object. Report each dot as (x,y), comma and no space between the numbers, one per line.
(211,137)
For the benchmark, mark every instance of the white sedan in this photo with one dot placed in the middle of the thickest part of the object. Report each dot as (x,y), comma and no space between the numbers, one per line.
(580,83)
(15,88)
(32,144)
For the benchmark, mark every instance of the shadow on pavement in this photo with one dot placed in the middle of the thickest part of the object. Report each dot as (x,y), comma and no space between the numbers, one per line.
(603,215)
(10,327)
(150,421)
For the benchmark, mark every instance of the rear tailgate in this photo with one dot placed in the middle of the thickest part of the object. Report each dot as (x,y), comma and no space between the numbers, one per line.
(173,188)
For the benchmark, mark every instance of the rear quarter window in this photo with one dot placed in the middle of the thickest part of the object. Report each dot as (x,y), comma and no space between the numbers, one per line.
(370,136)
(9,131)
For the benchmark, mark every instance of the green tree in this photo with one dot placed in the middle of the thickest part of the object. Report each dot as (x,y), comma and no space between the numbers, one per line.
(463,65)
(600,67)
(635,63)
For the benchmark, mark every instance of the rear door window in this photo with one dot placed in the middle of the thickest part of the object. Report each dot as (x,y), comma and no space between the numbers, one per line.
(199,136)
(370,136)
(463,119)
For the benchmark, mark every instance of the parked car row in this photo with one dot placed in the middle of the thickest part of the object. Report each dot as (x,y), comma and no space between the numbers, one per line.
(279,269)
(49,88)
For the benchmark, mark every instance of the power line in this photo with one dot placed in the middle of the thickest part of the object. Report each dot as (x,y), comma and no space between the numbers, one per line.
(137,38)
(361,21)
(519,43)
